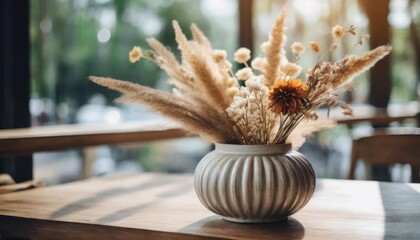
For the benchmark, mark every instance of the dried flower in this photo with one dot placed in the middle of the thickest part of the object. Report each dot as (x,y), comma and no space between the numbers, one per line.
(242,55)
(297,49)
(273,107)
(352,30)
(219,55)
(347,110)
(287,97)
(135,54)
(257,63)
(315,47)
(256,86)
(333,47)
(244,73)
(291,69)
(362,37)
(337,32)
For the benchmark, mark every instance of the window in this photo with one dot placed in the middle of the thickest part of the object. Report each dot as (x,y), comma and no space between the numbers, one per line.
(71,40)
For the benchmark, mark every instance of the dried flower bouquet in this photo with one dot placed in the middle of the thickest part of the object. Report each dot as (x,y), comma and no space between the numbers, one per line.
(273,107)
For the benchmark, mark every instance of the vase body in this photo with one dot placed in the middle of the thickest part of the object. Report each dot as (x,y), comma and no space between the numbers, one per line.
(254,183)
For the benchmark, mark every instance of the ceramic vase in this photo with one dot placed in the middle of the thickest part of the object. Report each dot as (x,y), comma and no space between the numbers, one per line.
(254,183)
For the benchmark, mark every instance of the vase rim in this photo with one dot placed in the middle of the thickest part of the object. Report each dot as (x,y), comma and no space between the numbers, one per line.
(253,149)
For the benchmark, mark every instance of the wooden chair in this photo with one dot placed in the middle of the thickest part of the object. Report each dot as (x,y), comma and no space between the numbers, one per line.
(388,146)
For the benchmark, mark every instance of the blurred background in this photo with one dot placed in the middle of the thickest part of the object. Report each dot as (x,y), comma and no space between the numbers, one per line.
(73,39)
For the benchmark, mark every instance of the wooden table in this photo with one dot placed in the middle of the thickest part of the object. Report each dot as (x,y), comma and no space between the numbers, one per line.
(157,206)
(396,112)
(58,137)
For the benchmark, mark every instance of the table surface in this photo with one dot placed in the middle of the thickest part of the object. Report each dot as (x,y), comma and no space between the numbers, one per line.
(57,137)
(160,206)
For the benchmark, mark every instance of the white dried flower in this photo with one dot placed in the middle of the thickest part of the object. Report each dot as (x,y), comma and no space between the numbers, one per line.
(297,48)
(337,32)
(248,112)
(258,63)
(242,55)
(219,55)
(244,73)
(254,86)
(291,69)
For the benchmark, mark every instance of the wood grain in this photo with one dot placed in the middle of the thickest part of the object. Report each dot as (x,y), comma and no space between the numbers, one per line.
(48,138)
(157,206)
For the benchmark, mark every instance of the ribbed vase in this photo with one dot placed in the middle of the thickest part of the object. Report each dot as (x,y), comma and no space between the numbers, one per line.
(254,183)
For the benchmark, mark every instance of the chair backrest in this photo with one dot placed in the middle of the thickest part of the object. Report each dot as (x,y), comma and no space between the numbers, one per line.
(388,146)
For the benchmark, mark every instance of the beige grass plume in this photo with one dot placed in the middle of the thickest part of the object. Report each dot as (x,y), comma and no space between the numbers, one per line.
(350,67)
(179,76)
(191,116)
(306,127)
(207,82)
(273,51)
(199,37)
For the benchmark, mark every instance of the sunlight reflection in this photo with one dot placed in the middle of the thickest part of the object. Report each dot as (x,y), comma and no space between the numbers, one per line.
(104,35)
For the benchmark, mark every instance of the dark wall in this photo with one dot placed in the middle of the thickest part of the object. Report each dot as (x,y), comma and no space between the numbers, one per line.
(14,79)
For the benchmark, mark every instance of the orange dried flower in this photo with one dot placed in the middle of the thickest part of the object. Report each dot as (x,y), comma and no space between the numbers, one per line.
(315,46)
(287,97)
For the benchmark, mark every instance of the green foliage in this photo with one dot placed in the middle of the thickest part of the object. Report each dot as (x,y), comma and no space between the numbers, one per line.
(65,49)
(403,67)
